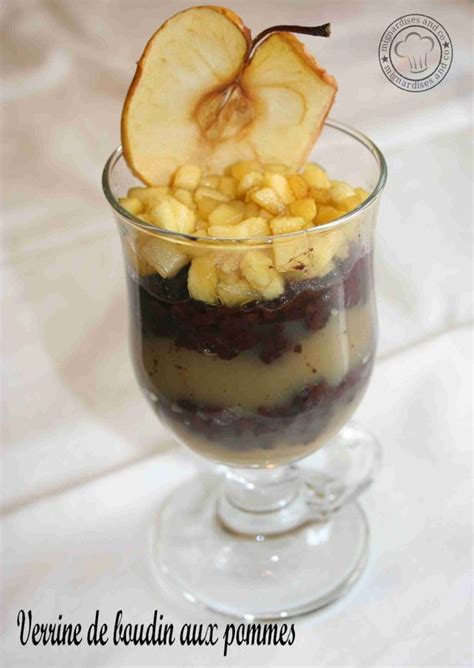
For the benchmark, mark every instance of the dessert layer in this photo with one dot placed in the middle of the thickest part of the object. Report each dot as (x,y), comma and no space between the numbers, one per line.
(277,375)
(253,200)
(246,381)
(165,309)
(270,436)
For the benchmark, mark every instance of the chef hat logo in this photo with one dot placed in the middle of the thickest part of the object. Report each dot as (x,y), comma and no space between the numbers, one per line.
(416,49)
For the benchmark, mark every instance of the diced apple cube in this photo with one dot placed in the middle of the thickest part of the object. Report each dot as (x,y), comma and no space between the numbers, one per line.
(257,227)
(257,267)
(324,248)
(320,195)
(228,263)
(227,213)
(202,279)
(340,190)
(269,200)
(131,204)
(275,288)
(236,292)
(292,254)
(252,210)
(138,192)
(298,186)
(164,256)
(289,253)
(248,195)
(187,177)
(304,208)
(172,215)
(227,231)
(240,169)
(149,196)
(230,276)
(206,206)
(249,181)
(264,214)
(210,181)
(285,224)
(280,185)
(315,176)
(326,214)
(211,193)
(349,204)
(227,185)
(185,197)
(251,227)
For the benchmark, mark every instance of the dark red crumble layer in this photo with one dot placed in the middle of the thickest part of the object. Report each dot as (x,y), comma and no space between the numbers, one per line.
(299,422)
(164,308)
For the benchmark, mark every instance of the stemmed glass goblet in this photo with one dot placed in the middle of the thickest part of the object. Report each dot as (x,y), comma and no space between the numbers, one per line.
(254,388)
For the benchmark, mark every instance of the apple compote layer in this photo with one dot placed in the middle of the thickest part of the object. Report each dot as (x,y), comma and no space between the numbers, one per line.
(262,383)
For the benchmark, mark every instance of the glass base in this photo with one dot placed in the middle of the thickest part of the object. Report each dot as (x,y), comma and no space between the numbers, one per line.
(255,576)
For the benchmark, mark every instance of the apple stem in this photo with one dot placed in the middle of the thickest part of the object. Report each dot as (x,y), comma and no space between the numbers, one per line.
(317,31)
(323,30)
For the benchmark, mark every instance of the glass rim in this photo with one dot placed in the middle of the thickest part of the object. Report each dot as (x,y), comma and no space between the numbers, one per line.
(213,241)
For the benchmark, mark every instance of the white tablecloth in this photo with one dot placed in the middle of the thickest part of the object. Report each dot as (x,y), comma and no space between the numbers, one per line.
(85,463)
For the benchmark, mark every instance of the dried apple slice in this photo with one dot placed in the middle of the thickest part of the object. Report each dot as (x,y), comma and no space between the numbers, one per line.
(205,94)
(289,96)
(192,55)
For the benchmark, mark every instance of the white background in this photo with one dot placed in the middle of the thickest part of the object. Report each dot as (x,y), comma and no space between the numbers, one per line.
(85,462)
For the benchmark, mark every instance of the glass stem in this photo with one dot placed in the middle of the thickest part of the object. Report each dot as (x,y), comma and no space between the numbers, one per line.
(262,490)
(262,500)
(279,499)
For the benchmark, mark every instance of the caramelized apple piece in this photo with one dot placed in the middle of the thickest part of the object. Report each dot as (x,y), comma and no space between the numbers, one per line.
(171,215)
(164,256)
(257,267)
(202,279)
